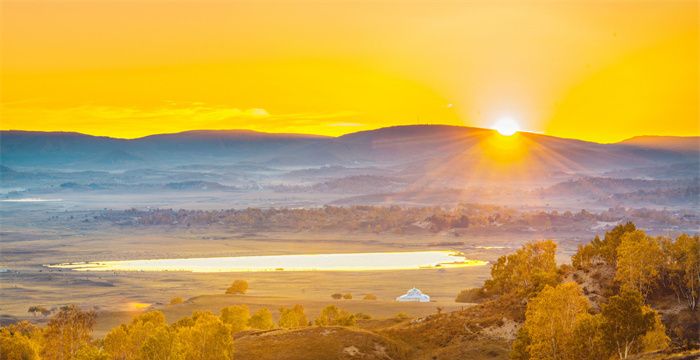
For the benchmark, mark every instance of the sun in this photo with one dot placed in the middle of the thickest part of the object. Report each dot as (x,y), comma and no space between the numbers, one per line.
(506,126)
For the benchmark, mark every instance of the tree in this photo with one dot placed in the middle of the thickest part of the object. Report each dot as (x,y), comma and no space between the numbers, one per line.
(526,271)
(16,347)
(347,296)
(20,341)
(117,343)
(337,296)
(550,321)
(585,255)
(67,331)
(238,287)
(626,320)
(613,238)
(683,268)
(589,343)
(33,310)
(207,339)
(91,352)
(39,309)
(655,339)
(293,318)
(604,250)
(161,344)
(519,349)
(128,341)
(332,315)
(639,261)
(262,320)
(236,316)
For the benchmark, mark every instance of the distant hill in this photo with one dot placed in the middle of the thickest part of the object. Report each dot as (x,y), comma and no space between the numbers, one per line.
(30,148)
(674,143)
(447,153)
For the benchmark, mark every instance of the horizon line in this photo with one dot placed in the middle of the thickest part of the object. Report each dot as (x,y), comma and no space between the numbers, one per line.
(311,135)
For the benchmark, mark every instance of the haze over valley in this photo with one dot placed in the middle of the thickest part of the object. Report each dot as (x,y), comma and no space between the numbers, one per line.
(73,201)
(346,180)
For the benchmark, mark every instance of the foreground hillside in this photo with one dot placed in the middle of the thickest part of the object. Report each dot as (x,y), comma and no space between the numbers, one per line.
(330,342)
(627,295)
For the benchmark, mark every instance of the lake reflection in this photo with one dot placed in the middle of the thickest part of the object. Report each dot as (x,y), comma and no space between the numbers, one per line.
(304,262)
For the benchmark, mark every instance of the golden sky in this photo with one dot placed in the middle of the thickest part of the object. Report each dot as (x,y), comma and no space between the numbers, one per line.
(588,69)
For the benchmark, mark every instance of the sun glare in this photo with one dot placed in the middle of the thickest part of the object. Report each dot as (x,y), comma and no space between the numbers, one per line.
(506,126)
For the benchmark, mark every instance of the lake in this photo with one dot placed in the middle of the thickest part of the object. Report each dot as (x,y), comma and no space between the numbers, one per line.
(301,262)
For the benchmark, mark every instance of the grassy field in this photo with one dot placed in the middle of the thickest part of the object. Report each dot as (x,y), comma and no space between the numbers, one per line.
(117,296)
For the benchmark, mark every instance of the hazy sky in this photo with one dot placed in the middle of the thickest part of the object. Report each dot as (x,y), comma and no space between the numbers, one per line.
(595,70)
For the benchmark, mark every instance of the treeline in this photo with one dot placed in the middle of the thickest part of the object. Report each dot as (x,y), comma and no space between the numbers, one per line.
(601,306)
(604,186)
(682,195)
(398,219)
(204,335)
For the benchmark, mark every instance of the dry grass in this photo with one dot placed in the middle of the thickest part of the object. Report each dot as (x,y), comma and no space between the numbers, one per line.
(686,355)
(472,333)
(318,343)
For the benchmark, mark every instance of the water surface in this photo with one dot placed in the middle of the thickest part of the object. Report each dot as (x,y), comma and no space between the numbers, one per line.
(301,262)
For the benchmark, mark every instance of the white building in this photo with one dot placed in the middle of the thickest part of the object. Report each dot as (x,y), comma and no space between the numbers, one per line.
(414,295)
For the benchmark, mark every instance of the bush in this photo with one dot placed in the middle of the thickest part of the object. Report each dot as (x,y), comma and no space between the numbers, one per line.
(176,300)
(370,297)
(402,316)
(474,295)
(238,287)
(337,296)
(39,309)
(347,296)
(362,316)
(332,315)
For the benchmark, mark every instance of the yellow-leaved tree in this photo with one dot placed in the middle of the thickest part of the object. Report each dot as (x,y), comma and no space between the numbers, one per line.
(236,317)
(526,271)
(238,287)
(655,339)
(332,315)
(639,261)
(262,320)
(21,341)
(67,332)
(683,268)
(550,321)
(626,320)
(205,337)
(148,334)
(293,318)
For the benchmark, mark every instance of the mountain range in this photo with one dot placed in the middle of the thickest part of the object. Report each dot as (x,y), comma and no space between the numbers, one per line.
(415,149)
